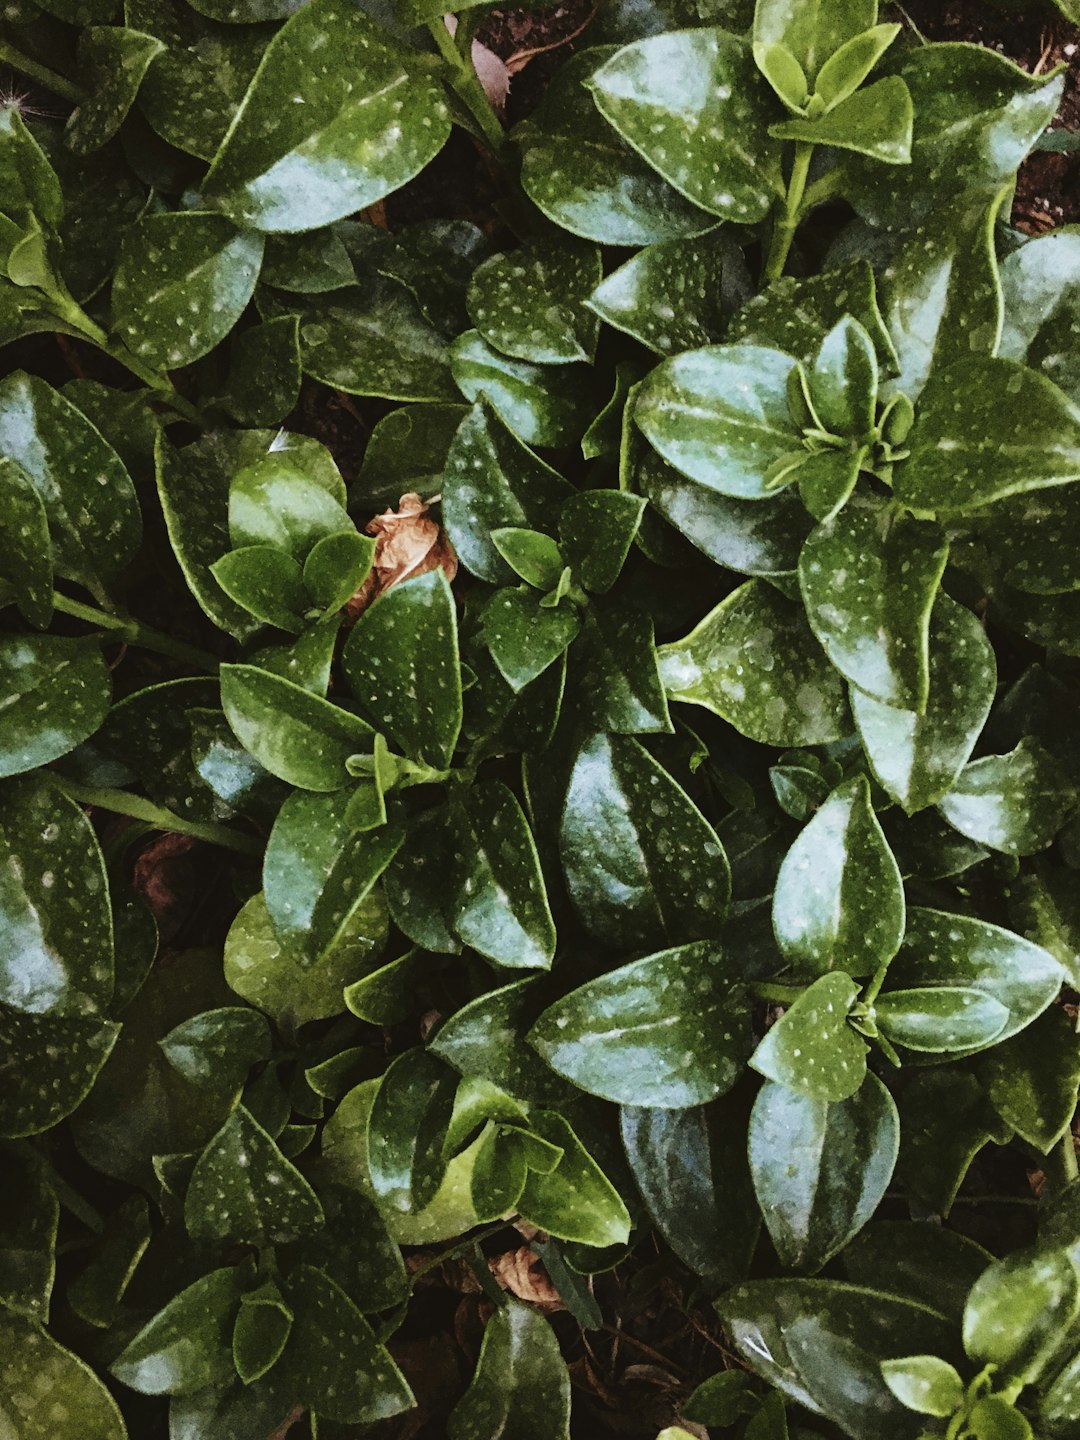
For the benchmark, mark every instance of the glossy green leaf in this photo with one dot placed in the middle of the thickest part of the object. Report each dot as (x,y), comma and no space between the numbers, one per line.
(876,122)
(1016,802)
(615,679)
(958,950)
(597,529)
(575,1201)
(721,416)
(925,1383)
(56,1059)
(401,662)
(25,549)
(530,302)
(51,1393)
(367,125)
(543,404)
(947,1018)
(284,500)
(243,1189)
(266,582)
(754,661)
(88,495)
(843,380)
(407,452)
(669,1031)
(820,1168)
(218,1047)
(811,1048)
(851,62)
(869,579)
(55,917)
(1041,285)
(484,1038)
(521,1385)
(492,482)
(826,479)
(581,173)
(928,1263)
(811,33)
(523,638)
(671,295)
(30,184)
(148,733)
(260,1332)
(409,1119)
(187,1345)
(1018,1309)
(1032,1079)
(114,61)
(336,567)
(839,899)
(642,865)
(264,372)
(691,1168)
(794,314)
(917,757)
(695,135)
(295,735)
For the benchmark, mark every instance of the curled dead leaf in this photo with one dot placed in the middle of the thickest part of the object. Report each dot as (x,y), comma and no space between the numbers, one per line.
(522,1272)
(408,542)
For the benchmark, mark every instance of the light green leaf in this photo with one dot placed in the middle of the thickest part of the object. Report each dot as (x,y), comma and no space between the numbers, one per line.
(521,1385)
(827,479)
(811,1048)
(839,899)
(367,126)
(187,1345)
(820,1168)
(410,1115)
(530,302)
(668,1031)
(811,32)
(387,995)
(1018,1310)
(266,582)
(687,101)
(492,482)
(1032,1079)
(869,579)
(1016,802)
(721,416)
(244,1190)
(575,1201)
(642,865)
(56,1059)
(401,662)
(843,381)
(336,567)
(1041,285)
(297,736)
(754,662)
(925,1383)
(282,499)
(580,172)
(917,757)
(28,182)
(942,1019)
(543,404)
(876,122)
(50,1393)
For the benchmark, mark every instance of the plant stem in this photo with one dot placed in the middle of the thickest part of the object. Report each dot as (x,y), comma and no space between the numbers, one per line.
(784,233)
(58,84)
(120,802)
(136,633)
(873,990)
(469,89)
(780,994)
(1061,1163)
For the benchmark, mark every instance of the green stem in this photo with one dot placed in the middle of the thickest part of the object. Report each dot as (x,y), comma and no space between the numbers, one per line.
(780,994)
(873,990)
(784,233)
(65,88)
(120,802)
(1061,1163)
(136,633)
(469,89)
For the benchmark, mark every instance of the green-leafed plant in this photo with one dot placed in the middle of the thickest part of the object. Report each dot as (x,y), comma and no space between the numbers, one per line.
(680,857)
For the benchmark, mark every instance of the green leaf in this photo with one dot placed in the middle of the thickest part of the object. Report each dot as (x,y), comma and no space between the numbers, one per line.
(28,1226)
(543,404)
(1041,285)
(531,554)
(530,302)
(1016,802)
(246,12)
(671,296)
(826,479)
(285,500)
(925,1383)
(995,1418)
(869,579)
(521,1385)
(96,1292)
(575,1201)
(56,1059)
(244,1190)
(820,1168)
(811,33)
(754,662)
(722,1399)
(401,662)
(284,984)
(523,637)
(29,183)
(946,1120)
(811,1048)
(642,865)
(266,582)
(357,1247)
(696,137)
(927,1263)
(336,567)
(319,870)
(261,1331)
(25,549)
(368,125)
(483,1039)
(1032,1079)
(434,260)
(876,122)
(1015,432)
(783,72)
(721,416)
(407,452)
(89,499)
(691,1168)
(616,681)
(839,899)
(187,1345)
(333,1361)
(947,1018)
(1019,1309)
(843,380)
(493,482)
(958,950)
(796,313)
(597,528)
(582,174)
(50,1393)
(850,63)
(668,1031)
(113,63)
(264,372)
(386,996)
(148,734)
(297,736)
(218,1047)
(409,1119)
(55,917)
(917,757)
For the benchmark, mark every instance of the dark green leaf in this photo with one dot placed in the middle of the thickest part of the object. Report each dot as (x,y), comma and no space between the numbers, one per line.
(521,1386)
(575,1201)
(1041,284)
(49,1391)
(113,62)
(812,1048)
(409,1118)
(945,1120)
(597,529)
(56,1059)
(543,404)
(357,1247)
(1016,802)
(796,313)
(407,452)
(530,303)
(924,1262)
(616,680)
(28,1225)
(262,1328)
(1032,1079)
(945,1018)
(218,1047)
(485,1039)
(25,549)
(188,1344)
(266,582)
(264,372)
(523,638)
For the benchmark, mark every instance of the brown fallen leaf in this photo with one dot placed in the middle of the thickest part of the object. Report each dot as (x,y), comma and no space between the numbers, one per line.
(162,876)
(522,1272)
(408,542)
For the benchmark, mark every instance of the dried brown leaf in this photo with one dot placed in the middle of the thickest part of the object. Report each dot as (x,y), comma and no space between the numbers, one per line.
(522,1272)
(408,542)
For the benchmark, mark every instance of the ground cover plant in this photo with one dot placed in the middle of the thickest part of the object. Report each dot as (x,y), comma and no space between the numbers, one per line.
(538,758)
